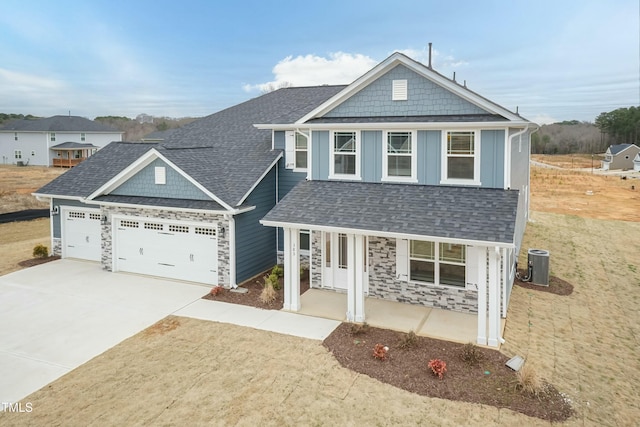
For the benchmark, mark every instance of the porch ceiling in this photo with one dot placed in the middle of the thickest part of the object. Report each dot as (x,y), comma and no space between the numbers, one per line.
(460,213)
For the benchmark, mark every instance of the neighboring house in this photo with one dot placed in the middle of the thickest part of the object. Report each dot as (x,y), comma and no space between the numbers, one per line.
(620,156)
(54,141)
(403,185)
(636,163)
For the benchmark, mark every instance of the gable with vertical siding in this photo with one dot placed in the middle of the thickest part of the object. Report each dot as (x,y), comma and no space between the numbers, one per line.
(424,98)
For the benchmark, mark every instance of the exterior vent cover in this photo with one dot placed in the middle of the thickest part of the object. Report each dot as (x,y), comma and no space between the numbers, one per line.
(538,261)
(399,90)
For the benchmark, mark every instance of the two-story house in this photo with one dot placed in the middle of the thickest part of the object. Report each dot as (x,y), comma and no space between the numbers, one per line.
(62,141)
(403,185)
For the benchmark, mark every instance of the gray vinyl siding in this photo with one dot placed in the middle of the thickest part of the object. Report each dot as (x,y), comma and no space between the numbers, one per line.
(520,149)
(255,243)
(176,187)
(320,154)
(60,203)
(371,156)
(424,98)
(492,158)
(429,147)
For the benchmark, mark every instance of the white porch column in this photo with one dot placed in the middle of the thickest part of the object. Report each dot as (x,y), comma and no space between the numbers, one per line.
(494,297)
(482,295)
(351,279)
(359,279)
(291,269)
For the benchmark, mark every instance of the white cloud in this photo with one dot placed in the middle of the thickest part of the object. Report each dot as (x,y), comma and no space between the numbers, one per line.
(543,119)
(438,60)
(12,81)
(311,70)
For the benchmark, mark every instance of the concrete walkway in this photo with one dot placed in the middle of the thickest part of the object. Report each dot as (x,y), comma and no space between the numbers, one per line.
(61,314)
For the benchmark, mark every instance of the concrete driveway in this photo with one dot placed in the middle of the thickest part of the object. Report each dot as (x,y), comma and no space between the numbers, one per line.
(57,316)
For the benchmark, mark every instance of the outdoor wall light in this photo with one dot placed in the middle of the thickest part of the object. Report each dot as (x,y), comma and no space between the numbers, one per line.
(105,218)
(55,210)
(222,232)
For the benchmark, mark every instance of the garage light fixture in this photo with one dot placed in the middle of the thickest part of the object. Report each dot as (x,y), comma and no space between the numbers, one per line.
(222,231)
(55,210)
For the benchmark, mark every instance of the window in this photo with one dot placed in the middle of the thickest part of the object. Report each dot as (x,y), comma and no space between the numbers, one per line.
(52,136)
(345,155)
(461,160)
(342,251)
(17,154)
(441,264)
(399,159)
(304,240)
(301,151)
(83,137)
(15,136)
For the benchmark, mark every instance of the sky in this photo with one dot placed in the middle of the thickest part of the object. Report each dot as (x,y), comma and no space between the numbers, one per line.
(552,60)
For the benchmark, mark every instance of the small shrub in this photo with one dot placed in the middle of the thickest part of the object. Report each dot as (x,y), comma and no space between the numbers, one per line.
(409,340)
(359,328)
(439,367)
(40,251)
(268,294)
(380,351)
(278,271)
(273,278)
(528,380)
(216,290)
(471,354)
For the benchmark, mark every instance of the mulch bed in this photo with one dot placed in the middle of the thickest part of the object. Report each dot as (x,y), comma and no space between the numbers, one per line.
(37,261)
(252,297)
(489,382)
(556,286)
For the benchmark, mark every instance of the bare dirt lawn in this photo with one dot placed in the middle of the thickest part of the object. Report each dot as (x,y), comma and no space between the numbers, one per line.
(187,371)
(17,184)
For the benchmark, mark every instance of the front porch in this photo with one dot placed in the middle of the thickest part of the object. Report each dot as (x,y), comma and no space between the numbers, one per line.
(424,321)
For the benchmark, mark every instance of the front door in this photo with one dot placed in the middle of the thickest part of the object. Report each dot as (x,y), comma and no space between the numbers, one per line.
(336,264)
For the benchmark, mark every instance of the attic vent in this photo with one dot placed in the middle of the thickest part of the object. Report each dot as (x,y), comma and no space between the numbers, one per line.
(399,90)
(161,175)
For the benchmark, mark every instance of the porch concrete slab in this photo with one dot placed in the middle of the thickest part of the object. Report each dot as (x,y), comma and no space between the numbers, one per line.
(324,303)
(395,315)
(451,326)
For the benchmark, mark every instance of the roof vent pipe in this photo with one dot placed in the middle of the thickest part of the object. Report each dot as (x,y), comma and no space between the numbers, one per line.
(454,76)
(430,55)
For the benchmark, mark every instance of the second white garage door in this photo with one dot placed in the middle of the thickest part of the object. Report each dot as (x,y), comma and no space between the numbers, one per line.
(174,250)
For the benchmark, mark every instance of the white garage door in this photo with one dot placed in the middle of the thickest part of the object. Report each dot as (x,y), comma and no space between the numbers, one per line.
(174,250)
(81,234)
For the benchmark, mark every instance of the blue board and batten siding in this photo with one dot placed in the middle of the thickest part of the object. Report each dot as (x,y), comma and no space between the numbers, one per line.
(424,98)
(492,158)
(255,243)
(287,179)
(143,184)
(428,153)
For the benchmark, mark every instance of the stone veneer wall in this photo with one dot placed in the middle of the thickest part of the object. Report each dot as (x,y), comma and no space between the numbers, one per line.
(172,215)
(384,285)
(57,246)
(316,259)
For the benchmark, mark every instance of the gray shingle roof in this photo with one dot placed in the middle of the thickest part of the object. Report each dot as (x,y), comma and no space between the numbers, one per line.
(58,124)
(224,152)
(70,145)
(88,176)
(481,214)
(617,148)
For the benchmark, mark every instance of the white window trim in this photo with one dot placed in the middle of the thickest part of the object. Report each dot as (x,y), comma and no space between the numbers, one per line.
(295,151)
(52,136)
(332,174)
(436,267)
(414,158)
(476,159)
(160,173)
(17,154)
(306,252)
